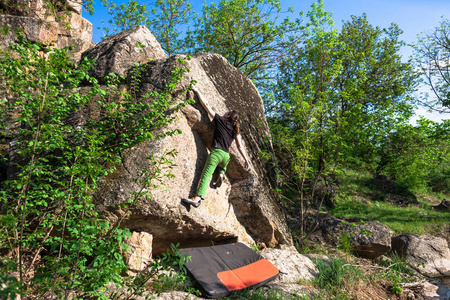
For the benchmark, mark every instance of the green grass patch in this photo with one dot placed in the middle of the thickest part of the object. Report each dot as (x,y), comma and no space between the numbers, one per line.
(420,219)
(413,219)
(264,294)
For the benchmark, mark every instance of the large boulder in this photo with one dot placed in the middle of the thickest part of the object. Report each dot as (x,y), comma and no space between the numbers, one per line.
(427,254)
(119,52)
(244,208)
(368,239)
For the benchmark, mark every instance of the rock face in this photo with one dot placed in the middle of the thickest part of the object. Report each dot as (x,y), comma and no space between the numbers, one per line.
(48,27)
(118,53)
(243,209)
(368,239)
(292,265)
(393,193)
(427,254)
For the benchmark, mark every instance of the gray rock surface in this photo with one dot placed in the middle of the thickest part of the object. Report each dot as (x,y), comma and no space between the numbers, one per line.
(119,52)
(243,209)
(427,254)
(368,239)
(292,265)
(425,289)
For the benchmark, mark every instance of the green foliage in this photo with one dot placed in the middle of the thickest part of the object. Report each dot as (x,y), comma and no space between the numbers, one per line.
(422,219)
(159,276)
(243,31)
(335,274)
(124,16)
(432,56)
(164,20)
(338,94)
(344,242)
(418,156)
(55,241)
(168,17)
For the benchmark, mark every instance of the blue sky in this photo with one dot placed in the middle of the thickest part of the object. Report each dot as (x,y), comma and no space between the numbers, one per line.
(412,16)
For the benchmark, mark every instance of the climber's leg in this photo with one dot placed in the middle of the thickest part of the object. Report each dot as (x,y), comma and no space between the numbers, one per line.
(214,158)
(222,165)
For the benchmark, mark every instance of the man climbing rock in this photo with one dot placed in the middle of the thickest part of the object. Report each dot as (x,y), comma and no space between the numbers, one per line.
(227,130)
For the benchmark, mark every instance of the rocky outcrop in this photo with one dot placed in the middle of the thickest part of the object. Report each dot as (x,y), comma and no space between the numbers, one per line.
(368,239)
(292,265)
(427,254)
(243,209)
(118,53)
(57,28)
(393,193)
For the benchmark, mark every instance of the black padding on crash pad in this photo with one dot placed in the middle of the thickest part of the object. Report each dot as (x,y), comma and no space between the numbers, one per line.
(206,262)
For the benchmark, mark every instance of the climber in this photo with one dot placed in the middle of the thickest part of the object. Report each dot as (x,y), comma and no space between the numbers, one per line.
(227,130)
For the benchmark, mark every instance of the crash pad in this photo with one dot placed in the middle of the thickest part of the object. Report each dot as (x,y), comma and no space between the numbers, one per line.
(223,270)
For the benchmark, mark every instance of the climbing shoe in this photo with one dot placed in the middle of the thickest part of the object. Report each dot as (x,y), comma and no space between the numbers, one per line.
(219,181)
(191,202)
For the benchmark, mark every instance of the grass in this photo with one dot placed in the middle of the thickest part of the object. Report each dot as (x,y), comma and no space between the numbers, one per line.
(264,294)
(420,219)
(413,219)
(346,276)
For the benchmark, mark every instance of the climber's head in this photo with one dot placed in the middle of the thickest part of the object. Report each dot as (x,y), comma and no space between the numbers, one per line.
(233,117)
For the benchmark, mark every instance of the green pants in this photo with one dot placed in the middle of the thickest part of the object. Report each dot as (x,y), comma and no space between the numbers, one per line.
(217,157)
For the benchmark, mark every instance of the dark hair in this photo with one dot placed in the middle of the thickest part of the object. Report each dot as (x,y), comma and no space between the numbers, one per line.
(233,117)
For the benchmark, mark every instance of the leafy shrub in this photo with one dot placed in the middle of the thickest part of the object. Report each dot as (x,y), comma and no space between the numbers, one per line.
(54,240)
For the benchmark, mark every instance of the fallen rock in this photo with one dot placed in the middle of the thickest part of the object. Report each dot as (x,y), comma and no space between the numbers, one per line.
(140,253)
(292,265)
(398,200)
(425,289)
(319,257)
(427,254)
(368,239)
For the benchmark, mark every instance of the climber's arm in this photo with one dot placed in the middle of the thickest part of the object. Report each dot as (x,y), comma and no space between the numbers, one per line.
(242,150)
(201,98)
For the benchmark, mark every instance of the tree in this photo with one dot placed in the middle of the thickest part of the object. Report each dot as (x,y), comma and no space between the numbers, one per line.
(374,87)
(418,156)
(124,16)
(432,55)
(245,32)
(303,115)
(337,94)
(168,17)
(164,20)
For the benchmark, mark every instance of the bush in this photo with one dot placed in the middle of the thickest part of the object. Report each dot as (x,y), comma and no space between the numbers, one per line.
(54,240)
